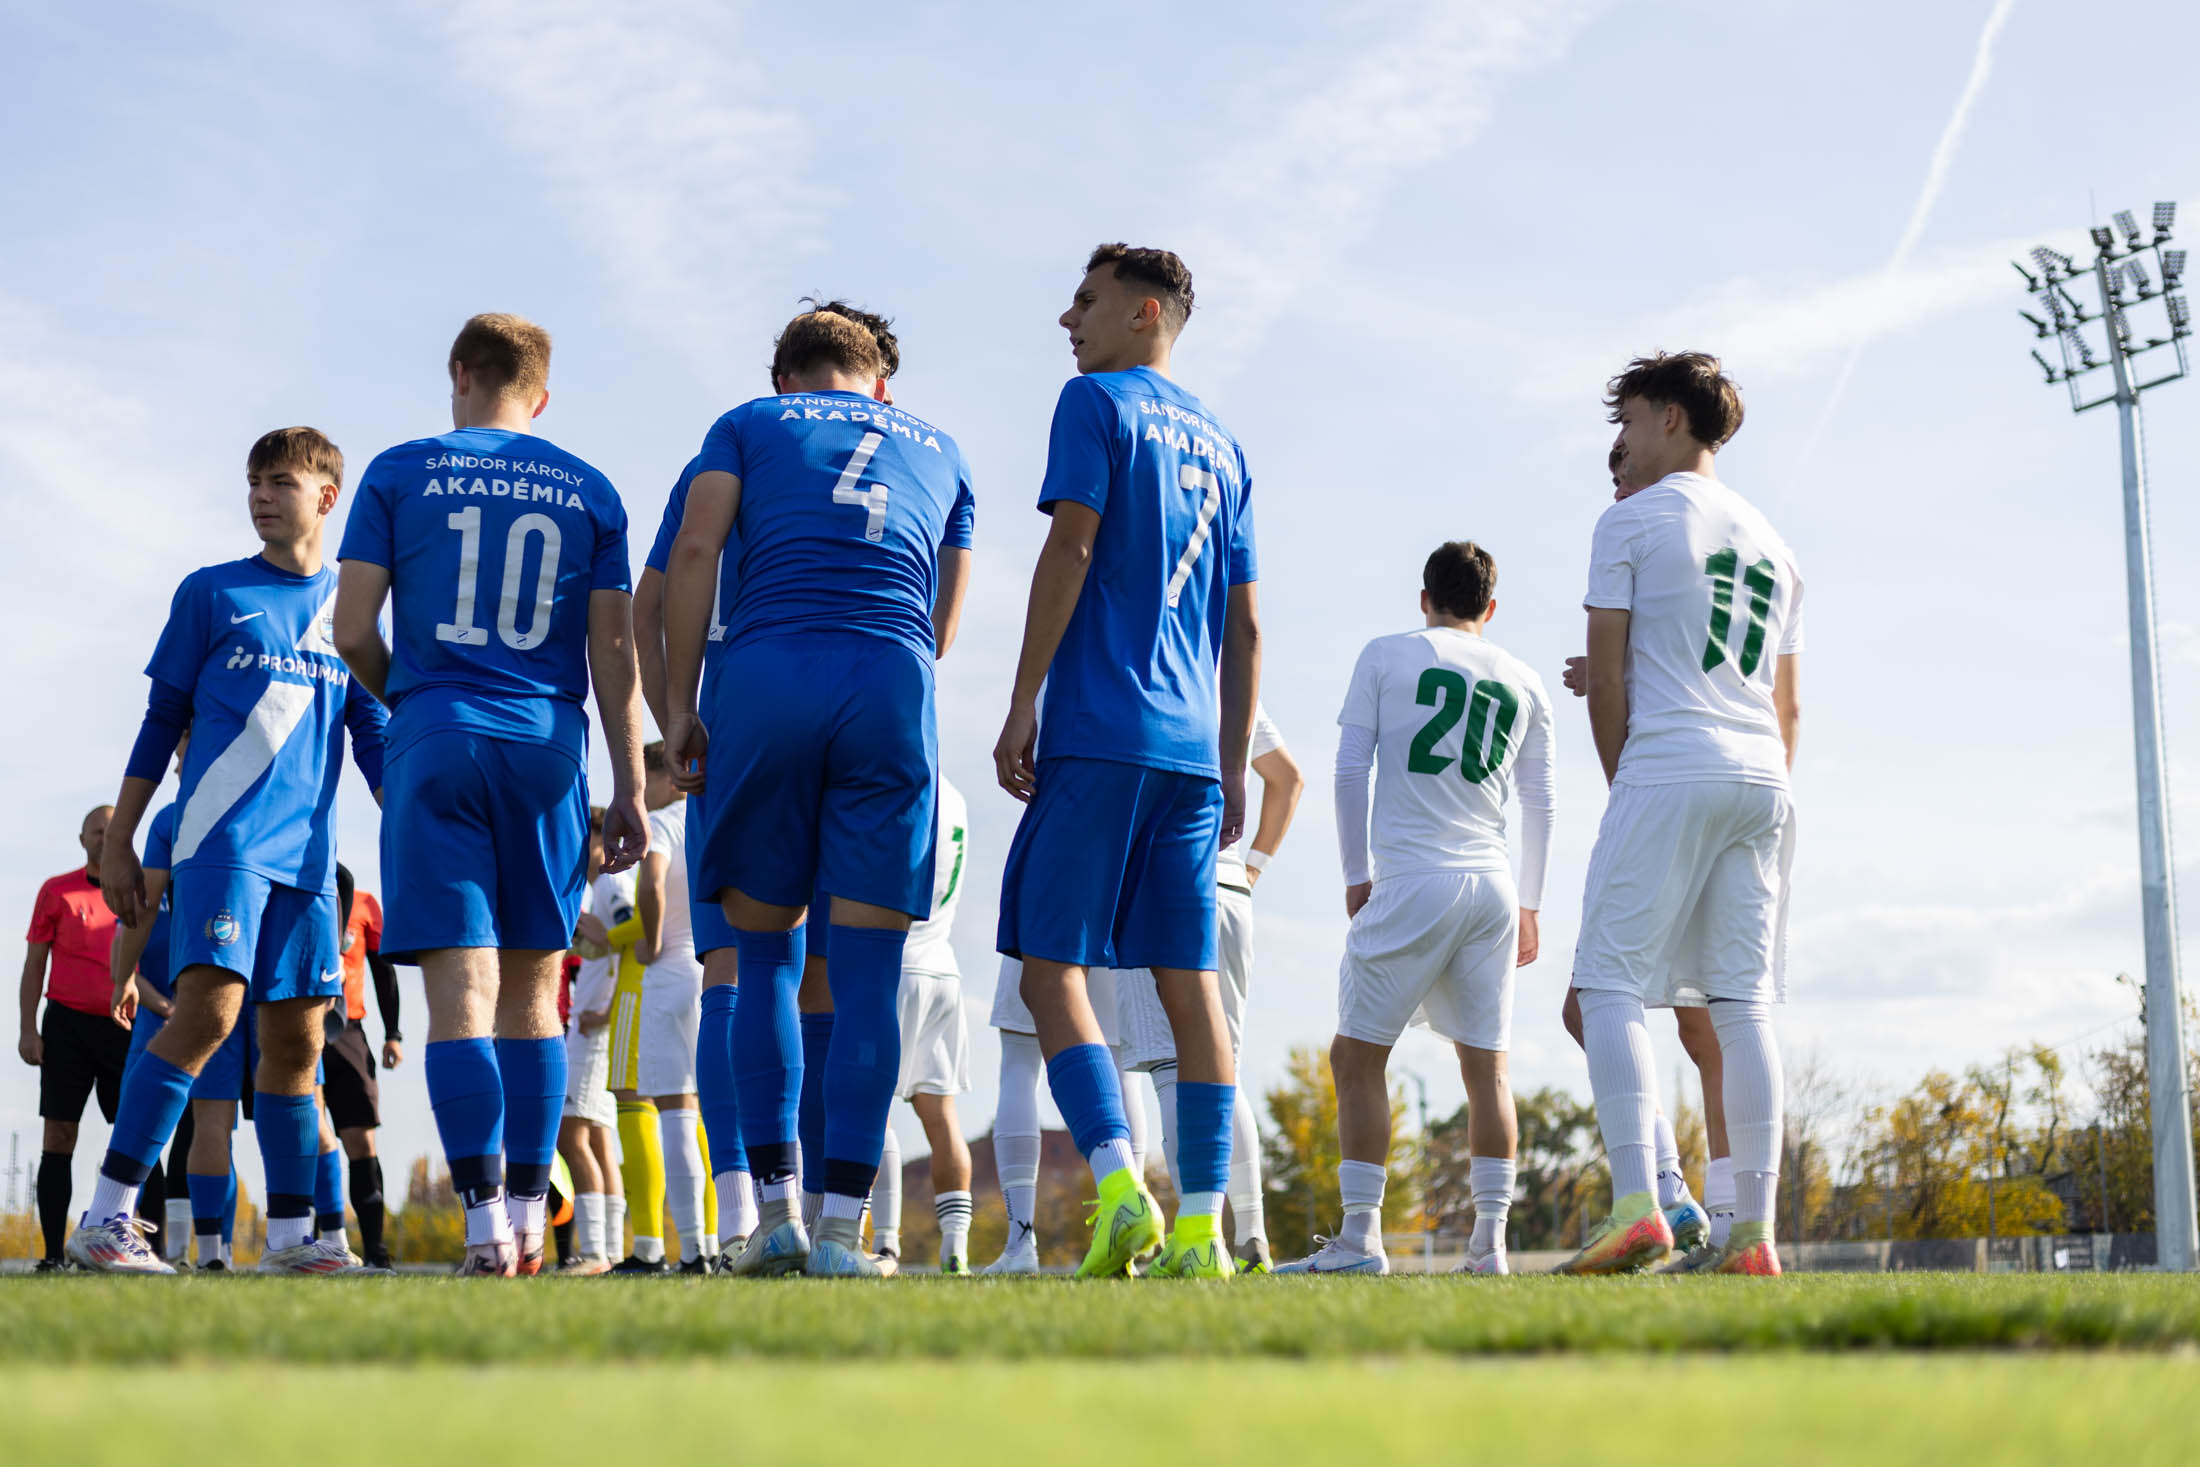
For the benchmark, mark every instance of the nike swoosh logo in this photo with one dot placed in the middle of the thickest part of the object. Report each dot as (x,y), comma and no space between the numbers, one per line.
(246,617)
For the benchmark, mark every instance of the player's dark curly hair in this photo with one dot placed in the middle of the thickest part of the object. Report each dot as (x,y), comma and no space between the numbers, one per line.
(1691,380)
(1460,578)
(1161,271)
(880,327)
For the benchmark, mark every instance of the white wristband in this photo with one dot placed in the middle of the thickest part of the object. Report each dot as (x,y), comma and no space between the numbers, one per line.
(1256,860)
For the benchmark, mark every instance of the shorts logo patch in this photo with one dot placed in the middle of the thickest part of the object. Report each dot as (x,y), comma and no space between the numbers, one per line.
(223,929)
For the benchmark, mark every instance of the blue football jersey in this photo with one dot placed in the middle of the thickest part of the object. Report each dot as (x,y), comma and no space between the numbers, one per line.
(160,849)
(253,648)
(494,542)
(1134,678)
(845,506)
(729,559)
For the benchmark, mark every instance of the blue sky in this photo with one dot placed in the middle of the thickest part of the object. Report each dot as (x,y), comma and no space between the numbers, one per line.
(1423,235)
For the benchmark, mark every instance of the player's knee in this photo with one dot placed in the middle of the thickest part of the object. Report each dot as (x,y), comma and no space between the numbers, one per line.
(1355,1062)
(60,1135)
(1570,1014)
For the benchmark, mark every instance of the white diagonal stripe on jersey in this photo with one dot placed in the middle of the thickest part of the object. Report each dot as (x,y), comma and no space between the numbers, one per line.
(317,636)
(274,718)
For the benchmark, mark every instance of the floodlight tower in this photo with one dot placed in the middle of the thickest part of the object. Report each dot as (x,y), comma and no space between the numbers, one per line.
(2137,362)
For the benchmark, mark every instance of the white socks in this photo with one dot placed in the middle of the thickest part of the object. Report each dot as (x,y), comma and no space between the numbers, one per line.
(1110,1157)
(334,1237)
(175,1238)
(1616,1038)
(614,1224)
(486,1223)
(1750,1056)
(1490,1183)
(1017,1158)
(295,1232)
(886,1197)
(1672,1184)
(1250,1214)
(527,1214)
(111,1198)
(588,1235)
(840,1208)
(1360,1184)
(1016,1136)
(1198,1204)
(736,1205)
(683,1178)
(1163,1076)
(1134,1110)
(953,1211)
(1718,1197)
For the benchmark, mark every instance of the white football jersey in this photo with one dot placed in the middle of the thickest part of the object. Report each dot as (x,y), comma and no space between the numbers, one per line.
(1457,721)
(611,901)
(929,949)
(676,933)
(1230,863)
(1715,600)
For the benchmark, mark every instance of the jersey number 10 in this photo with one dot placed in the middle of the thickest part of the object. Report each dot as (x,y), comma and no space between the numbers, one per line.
(1721,566)
(1490,712)
(460,628)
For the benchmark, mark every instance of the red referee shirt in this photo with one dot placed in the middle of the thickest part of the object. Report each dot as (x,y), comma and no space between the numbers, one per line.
(73,917)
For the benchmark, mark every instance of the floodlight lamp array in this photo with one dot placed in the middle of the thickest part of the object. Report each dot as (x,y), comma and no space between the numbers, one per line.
(2129,227)
(2165,214)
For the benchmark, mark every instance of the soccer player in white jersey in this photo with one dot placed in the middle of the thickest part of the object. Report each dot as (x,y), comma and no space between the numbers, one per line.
(672,999)
(1453,726)
(1149,1048)
(591,1115)
(1695,643)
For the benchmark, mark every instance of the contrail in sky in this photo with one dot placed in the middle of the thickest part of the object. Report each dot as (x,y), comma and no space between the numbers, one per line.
(1936,177)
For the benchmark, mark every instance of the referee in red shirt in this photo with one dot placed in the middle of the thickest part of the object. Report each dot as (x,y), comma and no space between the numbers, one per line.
(79,1049)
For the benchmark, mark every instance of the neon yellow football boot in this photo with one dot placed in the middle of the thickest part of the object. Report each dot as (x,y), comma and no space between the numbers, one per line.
(1635,1236)
(1195,1251)
(1749,1250)
(1126,1226)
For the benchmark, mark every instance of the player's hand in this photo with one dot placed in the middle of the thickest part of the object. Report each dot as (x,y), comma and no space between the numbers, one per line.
(122,882)
(393,1054)
(123,1010)
(1531,938)
(593,1019)
(1014,761)
(1233,806)
(625,832)
(1252,877)
(687,745)
(32,1048)
(1356,895)
(1576,676)
(590,929)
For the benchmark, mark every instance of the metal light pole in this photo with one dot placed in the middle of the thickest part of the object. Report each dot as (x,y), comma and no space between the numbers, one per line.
(2137,363)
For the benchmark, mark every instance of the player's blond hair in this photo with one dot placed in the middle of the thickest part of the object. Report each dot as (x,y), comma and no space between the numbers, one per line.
(507,354)
(305,451)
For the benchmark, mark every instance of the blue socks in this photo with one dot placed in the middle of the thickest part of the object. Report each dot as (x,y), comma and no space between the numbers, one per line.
(289,1127)
(328,1191)
(767,1050)
(719,1101)
(817,1044)
(1089,1094)
(1203,1118)
(533,1071)
(864,1060)
(154,1094)
(467,1094)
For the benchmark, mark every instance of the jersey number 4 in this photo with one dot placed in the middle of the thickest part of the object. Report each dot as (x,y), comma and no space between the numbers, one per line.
(1490,712)
(460,628)
(850,489)
(1721,566)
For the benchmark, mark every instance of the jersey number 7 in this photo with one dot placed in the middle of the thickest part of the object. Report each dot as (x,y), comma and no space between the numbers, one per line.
(1191,476)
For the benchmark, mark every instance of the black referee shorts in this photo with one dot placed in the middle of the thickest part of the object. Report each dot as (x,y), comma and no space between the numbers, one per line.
(84,1057)
(348,1084)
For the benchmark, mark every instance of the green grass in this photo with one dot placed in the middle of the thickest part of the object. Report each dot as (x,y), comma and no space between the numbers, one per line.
(1767,1411)
(418,1321)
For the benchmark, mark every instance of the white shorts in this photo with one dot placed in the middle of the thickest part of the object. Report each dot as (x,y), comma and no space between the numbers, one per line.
(935,1041)
(672,1011)
(1432,947)
(587,1077)
(1148,1041)
(1688,894)
(1008,1001)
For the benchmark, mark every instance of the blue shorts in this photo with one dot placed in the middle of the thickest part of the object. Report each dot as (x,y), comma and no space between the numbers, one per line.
(706,918)
(142,1029)
(484,844)
(1113,866)
(824,773)
(283,942)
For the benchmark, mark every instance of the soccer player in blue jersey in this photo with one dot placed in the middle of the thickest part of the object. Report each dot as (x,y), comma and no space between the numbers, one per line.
(1144,589)
(248,661)
(855,522)
(504,560)
(143,998)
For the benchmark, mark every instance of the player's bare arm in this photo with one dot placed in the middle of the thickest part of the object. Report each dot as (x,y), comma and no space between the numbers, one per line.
(121,880)
(649,640)
(29,1045)
(1787,701)
(361,588)
(691,585)
(122,958)
(1056,583)
(1281,784)
(947,604)
(1607,680)
(1240,677)
(649,905)
(612,670)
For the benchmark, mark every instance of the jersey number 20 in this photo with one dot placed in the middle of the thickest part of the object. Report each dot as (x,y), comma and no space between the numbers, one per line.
(1490,712)
(460,628)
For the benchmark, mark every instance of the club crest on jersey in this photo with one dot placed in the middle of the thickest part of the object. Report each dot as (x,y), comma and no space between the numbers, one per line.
(223,928)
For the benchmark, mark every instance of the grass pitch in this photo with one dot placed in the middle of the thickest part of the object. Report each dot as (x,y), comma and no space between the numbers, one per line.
(1885,1369)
